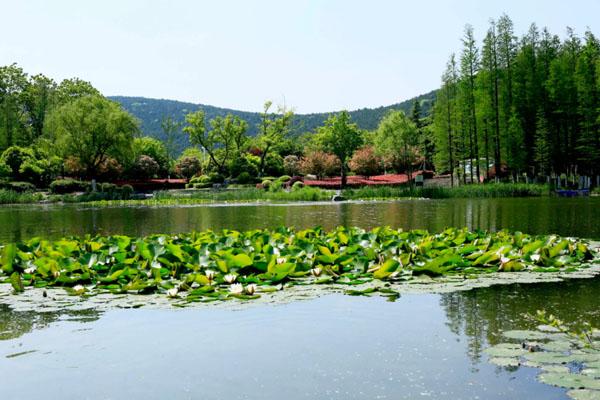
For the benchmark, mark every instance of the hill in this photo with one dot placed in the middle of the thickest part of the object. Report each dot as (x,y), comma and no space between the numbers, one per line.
(150,112)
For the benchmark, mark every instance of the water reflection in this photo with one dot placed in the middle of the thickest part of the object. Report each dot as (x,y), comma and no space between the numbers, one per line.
(14,324)
(570,217)
(482,315)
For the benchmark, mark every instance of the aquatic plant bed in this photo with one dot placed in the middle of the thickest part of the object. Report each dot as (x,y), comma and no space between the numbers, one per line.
(216,266)
(566,359)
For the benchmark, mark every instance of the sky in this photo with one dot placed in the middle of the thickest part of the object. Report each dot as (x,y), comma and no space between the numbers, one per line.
(312,56)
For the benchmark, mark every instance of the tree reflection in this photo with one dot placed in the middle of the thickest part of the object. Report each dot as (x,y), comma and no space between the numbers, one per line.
(483,314)
(14,324)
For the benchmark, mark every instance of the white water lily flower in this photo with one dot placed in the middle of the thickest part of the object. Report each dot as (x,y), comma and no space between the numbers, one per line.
(172,292)
(78,289)
(504,260)
(280,260)
(155,264)
(250,289)
(236,288)
(230,278)
(316,271)
(29,270)
(414,248)
(210,274)
(535,257)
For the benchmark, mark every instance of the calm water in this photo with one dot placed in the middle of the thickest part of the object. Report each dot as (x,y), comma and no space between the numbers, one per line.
(332,347)
(573,217)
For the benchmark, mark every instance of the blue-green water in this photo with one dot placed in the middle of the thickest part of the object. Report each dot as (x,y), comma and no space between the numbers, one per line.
(332,347)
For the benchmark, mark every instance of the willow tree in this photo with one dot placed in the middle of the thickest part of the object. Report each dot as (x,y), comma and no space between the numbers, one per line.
(91,129)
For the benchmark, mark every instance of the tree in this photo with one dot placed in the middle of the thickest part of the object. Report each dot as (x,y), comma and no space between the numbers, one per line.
(341,137)
(365,162)
(153,148)
(170,128)
(92,128)
(223,142)
(13,83)
(469,68)
(273,130)
(320,164)
(444,117)
(396,141)
(146,167)
(291,165)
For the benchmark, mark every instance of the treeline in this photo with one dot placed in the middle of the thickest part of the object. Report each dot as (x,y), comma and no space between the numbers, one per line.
(519,105)
(150,112)
(54,130)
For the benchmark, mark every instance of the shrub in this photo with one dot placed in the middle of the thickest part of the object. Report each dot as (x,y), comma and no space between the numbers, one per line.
(215,177)
(126,192)
(273,164)
(284,178)
(14,157)
(109,169)
(109,188)
(246,163)
(73,166)
(298,185)
(146,167)
(291,165)
(266,184)
(320,164)
(63,186)
(200,185)
(18,187)
(365,162)
(244,178)
(275,186)
(188,166)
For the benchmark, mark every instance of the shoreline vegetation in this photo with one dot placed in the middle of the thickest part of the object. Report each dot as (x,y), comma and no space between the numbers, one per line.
(510,109)
(242,193)
(210,266)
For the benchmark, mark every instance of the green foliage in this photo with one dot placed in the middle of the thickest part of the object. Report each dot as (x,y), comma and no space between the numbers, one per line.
(340,137)
(63,186)
(396,141)
(150,147)
(527,103)
(92,128)
(206,266)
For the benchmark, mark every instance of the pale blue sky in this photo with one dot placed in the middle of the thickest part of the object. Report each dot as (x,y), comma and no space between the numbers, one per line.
(317,55)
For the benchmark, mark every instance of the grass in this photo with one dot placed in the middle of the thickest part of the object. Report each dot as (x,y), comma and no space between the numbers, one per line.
(12,197)
(247,194)
(468,191)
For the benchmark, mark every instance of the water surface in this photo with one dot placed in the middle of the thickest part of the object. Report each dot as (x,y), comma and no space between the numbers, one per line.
(333,347)
(573,217)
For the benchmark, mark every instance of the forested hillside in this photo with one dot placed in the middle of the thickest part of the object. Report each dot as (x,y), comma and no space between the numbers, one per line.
(151,112)
(522,104)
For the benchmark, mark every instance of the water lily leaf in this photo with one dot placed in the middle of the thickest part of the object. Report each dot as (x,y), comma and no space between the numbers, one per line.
(387,268)
(569,380)
(505,350)
(238,261)
(505,361)
(525,335)
(584,394)
(9,252)
(15,281)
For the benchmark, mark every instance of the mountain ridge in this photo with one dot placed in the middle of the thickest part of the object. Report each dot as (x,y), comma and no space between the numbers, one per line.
(151,111)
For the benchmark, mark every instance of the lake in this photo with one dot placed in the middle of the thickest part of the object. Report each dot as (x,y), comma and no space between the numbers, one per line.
(570,217)
(329,347)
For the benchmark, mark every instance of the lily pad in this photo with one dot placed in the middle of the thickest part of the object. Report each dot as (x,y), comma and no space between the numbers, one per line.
(569,380)
(505,361)
(584,394)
